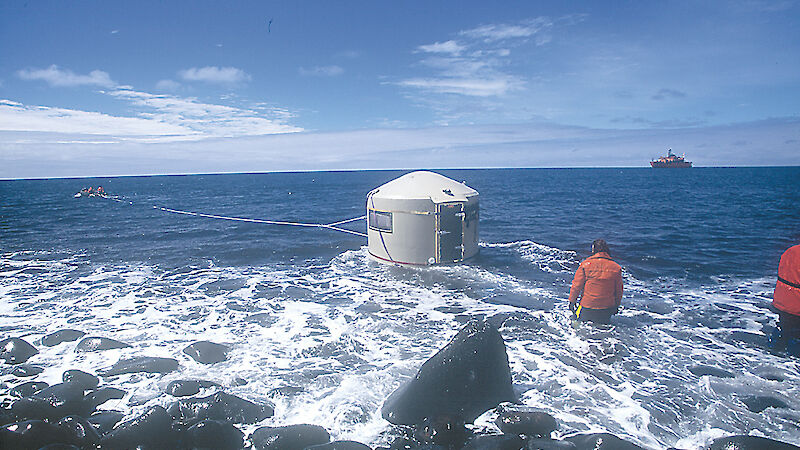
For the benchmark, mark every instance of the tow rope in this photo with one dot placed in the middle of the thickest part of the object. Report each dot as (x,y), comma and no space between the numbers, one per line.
(328,226)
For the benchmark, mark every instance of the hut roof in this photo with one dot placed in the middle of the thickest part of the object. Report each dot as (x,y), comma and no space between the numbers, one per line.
(425,185)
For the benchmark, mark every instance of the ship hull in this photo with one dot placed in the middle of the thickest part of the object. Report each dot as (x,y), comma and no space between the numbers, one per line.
(670,165)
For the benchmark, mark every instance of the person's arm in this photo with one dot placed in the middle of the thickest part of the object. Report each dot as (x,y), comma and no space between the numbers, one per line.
(578,282)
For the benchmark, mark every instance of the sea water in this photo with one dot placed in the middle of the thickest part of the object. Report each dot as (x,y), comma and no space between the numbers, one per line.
(326,335)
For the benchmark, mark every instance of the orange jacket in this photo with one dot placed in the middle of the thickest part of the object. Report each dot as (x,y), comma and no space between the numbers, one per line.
(787,289)
(598,282)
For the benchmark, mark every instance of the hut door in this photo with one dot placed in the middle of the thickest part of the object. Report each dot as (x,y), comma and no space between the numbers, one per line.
(450,231)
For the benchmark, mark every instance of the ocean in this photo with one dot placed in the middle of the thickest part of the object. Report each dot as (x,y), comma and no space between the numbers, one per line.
(326,334)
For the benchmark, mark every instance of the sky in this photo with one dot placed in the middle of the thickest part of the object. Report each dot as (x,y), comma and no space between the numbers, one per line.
(102,88)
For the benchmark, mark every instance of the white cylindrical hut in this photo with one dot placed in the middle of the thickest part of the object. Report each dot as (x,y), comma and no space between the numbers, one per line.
(422,218)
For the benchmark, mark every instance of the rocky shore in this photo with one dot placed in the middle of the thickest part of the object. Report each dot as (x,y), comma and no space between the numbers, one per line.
(434,410)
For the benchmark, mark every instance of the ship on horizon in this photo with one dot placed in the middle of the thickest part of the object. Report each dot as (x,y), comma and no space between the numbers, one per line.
(671,161)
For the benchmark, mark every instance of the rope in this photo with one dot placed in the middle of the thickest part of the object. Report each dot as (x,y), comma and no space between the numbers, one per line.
(331,226)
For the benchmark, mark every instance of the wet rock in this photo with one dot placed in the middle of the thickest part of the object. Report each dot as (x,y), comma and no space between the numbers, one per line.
(99,396)
(263,319)
(207,352)
(25,371)
(214,434)
(548,444)
(153,429)
(285,391)
(701,370)
(495,442)
(339,445)
(147,364)
(53,339)
(80,431)
(16,350)
(60,447)
(465,378)
(27,389)
(183,388)
(104,421)
(290,437)
(600,441)
(95,344)
(759,403)
(32,434)
(447,431)
(80,378)
(52,403)
(743,442)
(524,420)
(220,406)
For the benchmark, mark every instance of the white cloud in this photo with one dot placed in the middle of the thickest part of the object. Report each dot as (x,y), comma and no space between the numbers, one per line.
(479,87)
(215,75)
(322,71)
(451,47)
(58,77)
(498,32)
(168,85)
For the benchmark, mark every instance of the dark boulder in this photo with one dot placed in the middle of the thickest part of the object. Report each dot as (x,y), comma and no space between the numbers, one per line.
(214,434)
(185,388)
(339,445)
(147,364)
(601,441)
(290,437)
(25,371)
(97,397)
(495,442)
(95,344)
(220,406)
(53,339)
(447,431)
(80,378)
(32,434)
(744,442)
(16,350)
(525,420)
(465,378)
(207,352)
(53,403)
(153,429)
(758,403)
(104,421)
(549,444)
(80,431)
(27,389)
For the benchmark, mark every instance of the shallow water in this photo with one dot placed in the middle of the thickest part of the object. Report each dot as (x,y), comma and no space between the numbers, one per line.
(305,310)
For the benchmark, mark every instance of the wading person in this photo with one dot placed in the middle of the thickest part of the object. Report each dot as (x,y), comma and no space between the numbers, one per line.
(598,285)
(786,298)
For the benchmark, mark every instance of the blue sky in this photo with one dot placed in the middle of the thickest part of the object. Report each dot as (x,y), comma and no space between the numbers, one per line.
(111,88)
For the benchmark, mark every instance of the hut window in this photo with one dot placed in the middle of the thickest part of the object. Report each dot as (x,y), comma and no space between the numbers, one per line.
(381,221)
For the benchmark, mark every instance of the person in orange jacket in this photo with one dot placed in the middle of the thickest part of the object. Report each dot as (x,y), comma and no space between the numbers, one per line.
(598,284)
(786,298)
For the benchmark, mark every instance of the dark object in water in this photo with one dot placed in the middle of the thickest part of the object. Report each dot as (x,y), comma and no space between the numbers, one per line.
(220,406)
(290,437)
(339,445)
(495,442)
(185,388)
(25,371)
(701,370)
(525,420)
(744,442)
(207,352)
(16,350)
(758,403)
(153,429)
(102,395)
(548,444)
(53,339)
(601,441)
(80,378)
(52,403)
(449,432)
(81,431)
(214,434)
(104,421)
(32,434)
(95,344)
(147,364)
(465,378)
(27,389)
